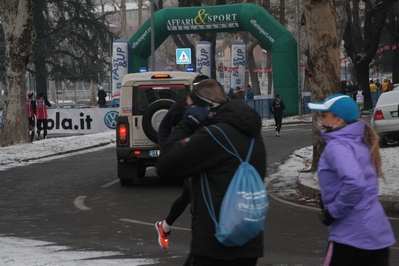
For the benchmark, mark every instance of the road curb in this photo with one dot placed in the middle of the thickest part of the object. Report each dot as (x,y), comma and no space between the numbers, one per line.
(389,203)
(68,151)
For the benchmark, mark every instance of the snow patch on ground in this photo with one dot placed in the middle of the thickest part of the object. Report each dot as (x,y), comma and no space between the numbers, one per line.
(25,252)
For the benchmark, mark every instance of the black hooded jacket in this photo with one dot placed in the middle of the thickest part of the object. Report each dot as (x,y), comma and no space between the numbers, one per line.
(189,152)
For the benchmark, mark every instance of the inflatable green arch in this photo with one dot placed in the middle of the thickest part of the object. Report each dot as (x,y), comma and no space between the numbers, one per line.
(226,18)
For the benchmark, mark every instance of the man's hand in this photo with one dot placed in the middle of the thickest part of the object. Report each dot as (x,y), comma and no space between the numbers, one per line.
(197,115)
(325,217)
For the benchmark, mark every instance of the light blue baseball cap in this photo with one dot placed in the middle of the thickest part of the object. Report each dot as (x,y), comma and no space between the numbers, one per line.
(340,105)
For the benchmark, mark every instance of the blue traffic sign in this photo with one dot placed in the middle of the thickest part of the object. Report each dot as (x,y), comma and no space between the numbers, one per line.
(183,56)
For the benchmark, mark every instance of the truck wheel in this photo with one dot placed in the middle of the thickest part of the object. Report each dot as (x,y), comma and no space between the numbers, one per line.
(141,170)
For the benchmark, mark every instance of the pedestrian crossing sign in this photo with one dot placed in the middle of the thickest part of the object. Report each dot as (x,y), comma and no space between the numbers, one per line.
(183,56)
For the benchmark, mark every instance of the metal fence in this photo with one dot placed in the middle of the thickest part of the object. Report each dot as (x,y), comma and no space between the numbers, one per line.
(262,106)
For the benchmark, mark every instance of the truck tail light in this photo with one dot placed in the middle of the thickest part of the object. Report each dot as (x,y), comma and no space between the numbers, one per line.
(122,134)
(378,115)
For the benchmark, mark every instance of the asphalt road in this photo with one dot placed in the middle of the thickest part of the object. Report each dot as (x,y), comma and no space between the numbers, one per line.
(77,202)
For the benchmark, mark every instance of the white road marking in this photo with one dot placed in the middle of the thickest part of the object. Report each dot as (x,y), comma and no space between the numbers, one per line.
(152,224)
(79,203)
(110,183)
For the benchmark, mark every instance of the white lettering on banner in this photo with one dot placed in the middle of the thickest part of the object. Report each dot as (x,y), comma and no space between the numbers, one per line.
(204,21)
(141,38)
(262,31)
(204,27)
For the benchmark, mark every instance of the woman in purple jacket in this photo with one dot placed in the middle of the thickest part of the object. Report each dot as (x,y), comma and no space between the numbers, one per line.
(348,171)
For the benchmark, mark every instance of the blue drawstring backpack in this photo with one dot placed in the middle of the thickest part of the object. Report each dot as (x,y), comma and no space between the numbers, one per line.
(243,210)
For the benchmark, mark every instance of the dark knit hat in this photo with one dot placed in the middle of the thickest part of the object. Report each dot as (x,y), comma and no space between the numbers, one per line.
(208,92)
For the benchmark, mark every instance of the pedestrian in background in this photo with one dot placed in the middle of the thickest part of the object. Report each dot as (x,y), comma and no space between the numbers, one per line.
(344,87)
(41,114)
(355,89)
(384,86)
(31,109)
(240,93)
(373,87)
(389,85)
(170,120)
(231,94)
(191,150)
(101,94)
(277,108)
(250,93)
(360,99)
(378,84)
(348,171)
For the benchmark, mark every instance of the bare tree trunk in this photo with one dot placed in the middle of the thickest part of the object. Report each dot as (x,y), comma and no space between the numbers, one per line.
(360,46)
(392,27)
(267,6)
(37,57)
(123,19)
(269,64)
(323,60)
(52,90)
(140,14)
(93,94)
(16,20)
(253,75)
(2,88)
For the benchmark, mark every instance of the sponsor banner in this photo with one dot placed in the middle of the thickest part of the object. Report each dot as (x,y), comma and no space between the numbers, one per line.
(204,19)
(120,67)
(238,57)
(82,121)
(203,55)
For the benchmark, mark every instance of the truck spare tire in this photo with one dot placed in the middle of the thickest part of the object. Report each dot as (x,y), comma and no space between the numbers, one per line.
(153,116)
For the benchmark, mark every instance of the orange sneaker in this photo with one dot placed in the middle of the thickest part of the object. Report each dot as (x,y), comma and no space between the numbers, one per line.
(162,236)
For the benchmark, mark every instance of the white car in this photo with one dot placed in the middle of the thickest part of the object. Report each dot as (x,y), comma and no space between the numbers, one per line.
(385,120)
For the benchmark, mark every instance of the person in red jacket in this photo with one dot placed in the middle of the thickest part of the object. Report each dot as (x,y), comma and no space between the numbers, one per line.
(31,109)
(41,114)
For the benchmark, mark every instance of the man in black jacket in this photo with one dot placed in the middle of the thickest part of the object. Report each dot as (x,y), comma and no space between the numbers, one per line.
(31,109)
(277,109)
(101,94)
(190,150)
(170,120)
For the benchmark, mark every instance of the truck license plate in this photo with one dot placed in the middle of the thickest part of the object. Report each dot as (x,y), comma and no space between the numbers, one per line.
(154,153)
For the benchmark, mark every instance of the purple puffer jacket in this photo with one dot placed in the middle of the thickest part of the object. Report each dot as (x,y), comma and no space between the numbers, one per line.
(349,190)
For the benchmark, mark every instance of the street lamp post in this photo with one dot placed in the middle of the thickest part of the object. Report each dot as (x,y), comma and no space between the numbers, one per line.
(152,37)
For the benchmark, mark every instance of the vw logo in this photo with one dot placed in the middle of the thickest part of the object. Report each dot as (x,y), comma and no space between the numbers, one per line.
(110,119)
